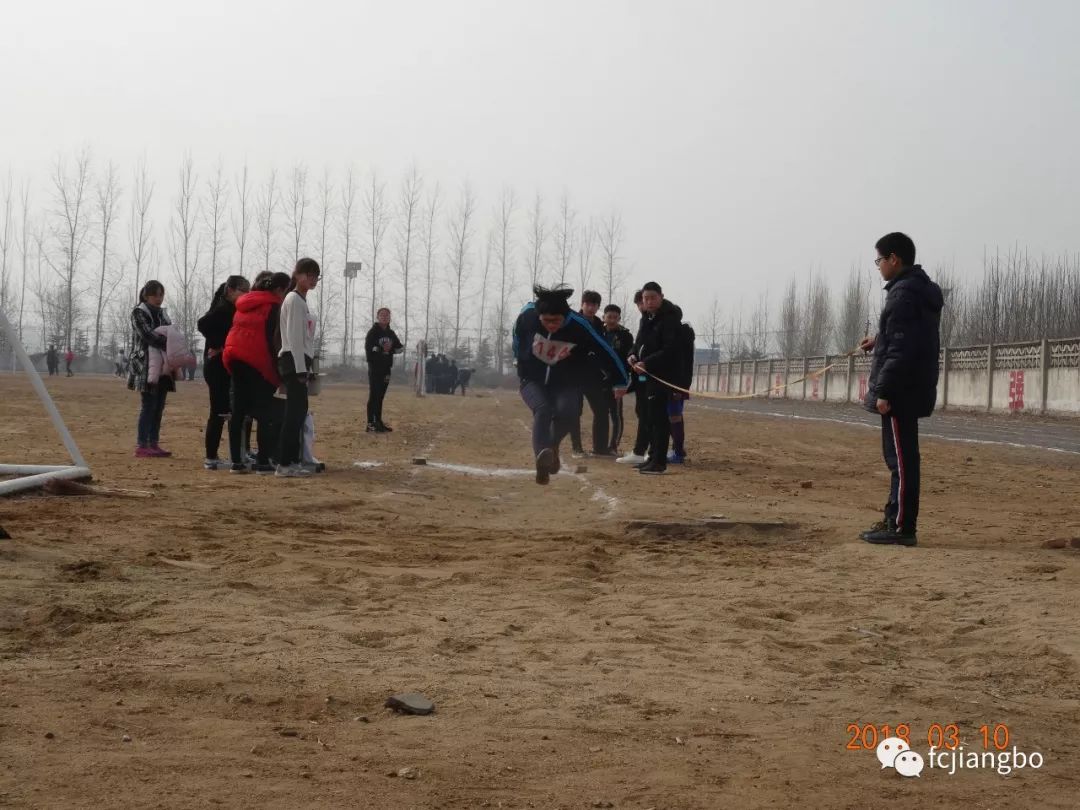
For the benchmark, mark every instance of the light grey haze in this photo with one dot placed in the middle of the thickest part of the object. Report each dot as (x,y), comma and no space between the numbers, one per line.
(742,141)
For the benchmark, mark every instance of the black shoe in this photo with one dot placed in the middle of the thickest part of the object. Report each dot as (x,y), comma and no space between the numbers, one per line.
(263,469)
(545,460)
(238,469)
(650,468)
(880,526)
(890,537)
(383,428)
(556,462)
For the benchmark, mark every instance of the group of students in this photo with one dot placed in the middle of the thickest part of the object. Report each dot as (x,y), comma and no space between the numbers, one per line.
(442,375)
(565,358)
(260,338)
(52,361)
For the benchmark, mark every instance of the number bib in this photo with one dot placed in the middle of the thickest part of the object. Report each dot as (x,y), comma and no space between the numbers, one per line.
(550,351)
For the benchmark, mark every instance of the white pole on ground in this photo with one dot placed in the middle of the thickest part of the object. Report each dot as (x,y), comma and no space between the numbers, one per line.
(50,407)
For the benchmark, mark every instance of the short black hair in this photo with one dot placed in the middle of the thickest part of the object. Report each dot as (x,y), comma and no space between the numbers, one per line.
(637,296)
(151,287)
(307,267)
(651,286)
(613,308)
(898,244)
(274,281)
(381,310)
(552,302)
(591,297)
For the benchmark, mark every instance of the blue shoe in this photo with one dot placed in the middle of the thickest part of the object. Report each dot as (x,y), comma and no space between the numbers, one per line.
(675,458)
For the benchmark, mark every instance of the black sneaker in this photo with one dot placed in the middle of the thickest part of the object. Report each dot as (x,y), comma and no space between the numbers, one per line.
(383,428)
(545,460)
(652,469)
(880,526)
(238,469)
(891,537)
(263,469)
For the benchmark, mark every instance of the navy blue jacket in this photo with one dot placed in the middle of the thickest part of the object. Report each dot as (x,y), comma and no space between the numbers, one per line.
(576,355)
(904,370)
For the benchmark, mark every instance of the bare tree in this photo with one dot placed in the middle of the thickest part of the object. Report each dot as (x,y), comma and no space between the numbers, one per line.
(217,201)
(24,252)
(348,202)
(585,241)
(852,322)
(185,248)
(431,211)
(108,198)
(378,220)
(5,241)
(70,229)
(610,239)
(537,238)
(326,212)
(484,286)
(816,317)
(758,343)
(408,211)
(241,222)
(713,323)
(265,210)
(504,247)
(565,234)
(140,230)
(460,232)
(297,208)
(790,321)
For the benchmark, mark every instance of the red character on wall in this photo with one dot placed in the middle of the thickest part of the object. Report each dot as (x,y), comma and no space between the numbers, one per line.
(1016,390)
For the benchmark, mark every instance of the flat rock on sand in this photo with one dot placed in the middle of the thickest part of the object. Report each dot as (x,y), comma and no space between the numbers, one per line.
(410,703)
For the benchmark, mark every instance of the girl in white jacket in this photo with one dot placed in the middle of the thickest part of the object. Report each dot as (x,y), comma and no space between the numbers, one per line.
(295,364)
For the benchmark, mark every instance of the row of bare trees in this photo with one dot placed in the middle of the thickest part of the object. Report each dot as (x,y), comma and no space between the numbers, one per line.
(1018,298)
(434,258)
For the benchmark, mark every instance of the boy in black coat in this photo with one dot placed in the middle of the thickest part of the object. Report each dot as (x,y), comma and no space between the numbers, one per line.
(903,380)
(659,345)
(380,346)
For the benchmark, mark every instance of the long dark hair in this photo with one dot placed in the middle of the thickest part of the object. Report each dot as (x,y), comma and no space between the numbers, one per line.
(231,283)
(273,281)
(304,267)
(151,287)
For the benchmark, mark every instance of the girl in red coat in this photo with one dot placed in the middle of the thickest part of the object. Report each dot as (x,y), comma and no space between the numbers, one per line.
(250,350)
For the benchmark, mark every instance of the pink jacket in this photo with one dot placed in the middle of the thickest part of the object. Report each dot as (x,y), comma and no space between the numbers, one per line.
(177,354)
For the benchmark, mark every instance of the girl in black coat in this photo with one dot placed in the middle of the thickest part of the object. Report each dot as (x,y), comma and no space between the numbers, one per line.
(214,326)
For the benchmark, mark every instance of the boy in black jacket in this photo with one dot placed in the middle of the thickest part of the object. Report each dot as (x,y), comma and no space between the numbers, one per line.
(380,346)
(559,354)
(659,354)
(903,380)
(622,341)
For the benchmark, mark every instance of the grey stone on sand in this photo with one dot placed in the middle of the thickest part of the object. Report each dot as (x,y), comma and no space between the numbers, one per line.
(410,703)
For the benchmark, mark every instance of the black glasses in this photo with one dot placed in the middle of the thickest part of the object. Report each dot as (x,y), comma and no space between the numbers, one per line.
(879,260)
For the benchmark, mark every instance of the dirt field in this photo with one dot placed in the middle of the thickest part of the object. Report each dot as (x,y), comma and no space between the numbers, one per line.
(230,642)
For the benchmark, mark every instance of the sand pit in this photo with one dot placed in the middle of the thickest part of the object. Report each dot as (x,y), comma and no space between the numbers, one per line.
(232,641)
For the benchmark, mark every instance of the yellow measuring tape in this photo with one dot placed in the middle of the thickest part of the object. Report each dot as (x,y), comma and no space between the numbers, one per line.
(767,392)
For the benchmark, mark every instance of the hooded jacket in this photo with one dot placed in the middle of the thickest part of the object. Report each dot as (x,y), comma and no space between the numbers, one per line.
(660,345)
(904,369)
(249,339)
(575,355)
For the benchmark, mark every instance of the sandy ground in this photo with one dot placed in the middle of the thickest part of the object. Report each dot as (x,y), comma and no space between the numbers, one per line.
(575,662)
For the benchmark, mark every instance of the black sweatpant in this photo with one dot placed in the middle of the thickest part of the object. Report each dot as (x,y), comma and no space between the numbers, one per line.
(250,395)
(292,425)
(219,386)
(900,445)
(378,382)
(659,423)
(641,410)
(616,413)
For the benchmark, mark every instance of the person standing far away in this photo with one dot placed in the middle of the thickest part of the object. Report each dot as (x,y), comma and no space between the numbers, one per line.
(69,358)
(903,380)
(380,346)
(452,376)
(558,354)
(295,362)
(145,319)
(622,341)
(641,403)
(660,358)
(52,360)
(215,326)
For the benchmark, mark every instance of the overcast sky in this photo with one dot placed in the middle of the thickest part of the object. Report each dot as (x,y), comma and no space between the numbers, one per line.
(742,141)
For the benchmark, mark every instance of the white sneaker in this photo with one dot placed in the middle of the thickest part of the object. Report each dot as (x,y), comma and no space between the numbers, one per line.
(214,464)
(630,458)
(292,471)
